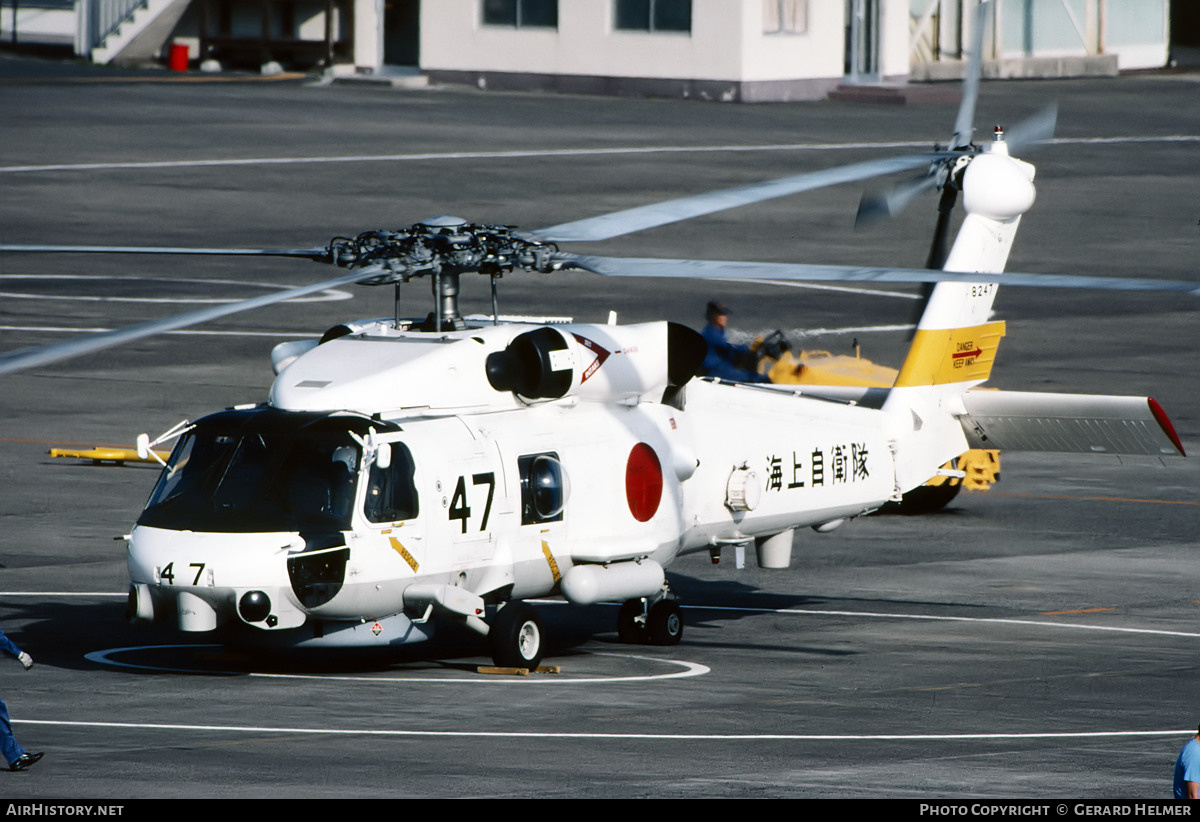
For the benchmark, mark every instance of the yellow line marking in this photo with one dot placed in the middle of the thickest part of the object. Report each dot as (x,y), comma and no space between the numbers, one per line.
(952,687)
(1095,499)
(403,552)
(1077,611)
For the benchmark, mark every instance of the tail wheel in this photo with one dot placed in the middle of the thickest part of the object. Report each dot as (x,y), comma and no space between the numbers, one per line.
(631,629)
(516,636)
(929,498)
(664,623)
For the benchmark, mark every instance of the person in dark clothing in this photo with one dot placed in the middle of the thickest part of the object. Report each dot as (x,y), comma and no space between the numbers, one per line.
(724,359)
(18,758)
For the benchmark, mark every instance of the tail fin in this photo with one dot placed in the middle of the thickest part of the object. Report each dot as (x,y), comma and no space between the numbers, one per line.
(955,343)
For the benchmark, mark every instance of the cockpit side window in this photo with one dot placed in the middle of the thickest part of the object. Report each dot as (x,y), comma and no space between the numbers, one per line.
(241,473)
(392,491)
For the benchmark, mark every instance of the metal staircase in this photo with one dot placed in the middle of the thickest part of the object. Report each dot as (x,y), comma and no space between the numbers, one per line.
(125,30)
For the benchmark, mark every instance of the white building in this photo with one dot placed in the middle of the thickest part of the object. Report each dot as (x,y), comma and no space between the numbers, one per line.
(743,50)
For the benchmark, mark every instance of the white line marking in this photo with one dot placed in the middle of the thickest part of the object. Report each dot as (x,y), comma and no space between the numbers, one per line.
(665,737)
(197,332)
(330,294)
(935,618)
(854,329)
(746,609)
(690,669)
(542,153)
(945,737)
(457,155)
(801,333)
(737,335)
(59,594)
(851,289)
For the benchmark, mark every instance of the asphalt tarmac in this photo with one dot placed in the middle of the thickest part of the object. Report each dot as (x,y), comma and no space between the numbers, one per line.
(1037,640)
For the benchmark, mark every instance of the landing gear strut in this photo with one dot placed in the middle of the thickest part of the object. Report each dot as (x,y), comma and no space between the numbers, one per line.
(654,620)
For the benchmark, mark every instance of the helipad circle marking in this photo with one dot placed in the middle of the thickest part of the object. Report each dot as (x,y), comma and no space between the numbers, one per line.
(329,294)
(694,670)
(687,669)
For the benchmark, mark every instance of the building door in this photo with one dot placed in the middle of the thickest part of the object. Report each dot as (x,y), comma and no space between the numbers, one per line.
(1185,33)
(862,41)
(402,32)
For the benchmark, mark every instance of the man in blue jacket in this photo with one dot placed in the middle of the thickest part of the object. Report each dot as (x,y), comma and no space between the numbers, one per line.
(725,359)
(18,759)
(1187,769)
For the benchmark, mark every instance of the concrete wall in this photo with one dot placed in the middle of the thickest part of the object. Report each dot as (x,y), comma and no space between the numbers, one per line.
(41,23)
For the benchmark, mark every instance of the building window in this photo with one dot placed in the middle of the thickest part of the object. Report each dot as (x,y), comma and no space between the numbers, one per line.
(521,13)
(654,15)
(785,16)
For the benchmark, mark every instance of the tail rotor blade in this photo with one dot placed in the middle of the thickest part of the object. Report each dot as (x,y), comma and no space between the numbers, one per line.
(1035,129)
(891,202)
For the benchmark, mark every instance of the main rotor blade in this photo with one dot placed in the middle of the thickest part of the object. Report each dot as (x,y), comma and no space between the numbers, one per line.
(42,355)
(964,123)
(312,253)
(803,272)
(607,226)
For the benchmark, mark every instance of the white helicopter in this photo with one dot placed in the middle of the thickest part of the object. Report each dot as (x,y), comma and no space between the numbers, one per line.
(452,468)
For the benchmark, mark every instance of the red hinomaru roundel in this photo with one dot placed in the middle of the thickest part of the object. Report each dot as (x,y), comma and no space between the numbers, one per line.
(643,482)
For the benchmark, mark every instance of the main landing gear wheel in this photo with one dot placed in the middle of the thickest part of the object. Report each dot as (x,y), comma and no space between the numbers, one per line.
(516,636)
(664,623)
(661,625)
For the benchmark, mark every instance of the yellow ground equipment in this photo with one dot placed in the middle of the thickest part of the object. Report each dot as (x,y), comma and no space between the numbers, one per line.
(99,454)
(979,468)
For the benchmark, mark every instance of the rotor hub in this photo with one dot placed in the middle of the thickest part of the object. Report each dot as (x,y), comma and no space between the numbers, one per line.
(442,248)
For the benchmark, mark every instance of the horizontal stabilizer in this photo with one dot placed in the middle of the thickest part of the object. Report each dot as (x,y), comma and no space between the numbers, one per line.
(1072,423)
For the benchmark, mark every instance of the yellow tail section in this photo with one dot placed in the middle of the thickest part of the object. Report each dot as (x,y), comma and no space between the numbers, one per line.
(940,356)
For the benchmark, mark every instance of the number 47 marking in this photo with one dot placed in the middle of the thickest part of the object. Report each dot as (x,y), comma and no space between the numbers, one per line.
(168,573)
(459,507)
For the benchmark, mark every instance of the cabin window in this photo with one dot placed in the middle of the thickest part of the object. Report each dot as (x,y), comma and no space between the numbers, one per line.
(392,491)
(543,488)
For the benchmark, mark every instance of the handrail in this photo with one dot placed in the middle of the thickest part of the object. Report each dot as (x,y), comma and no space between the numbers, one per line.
(101,18)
